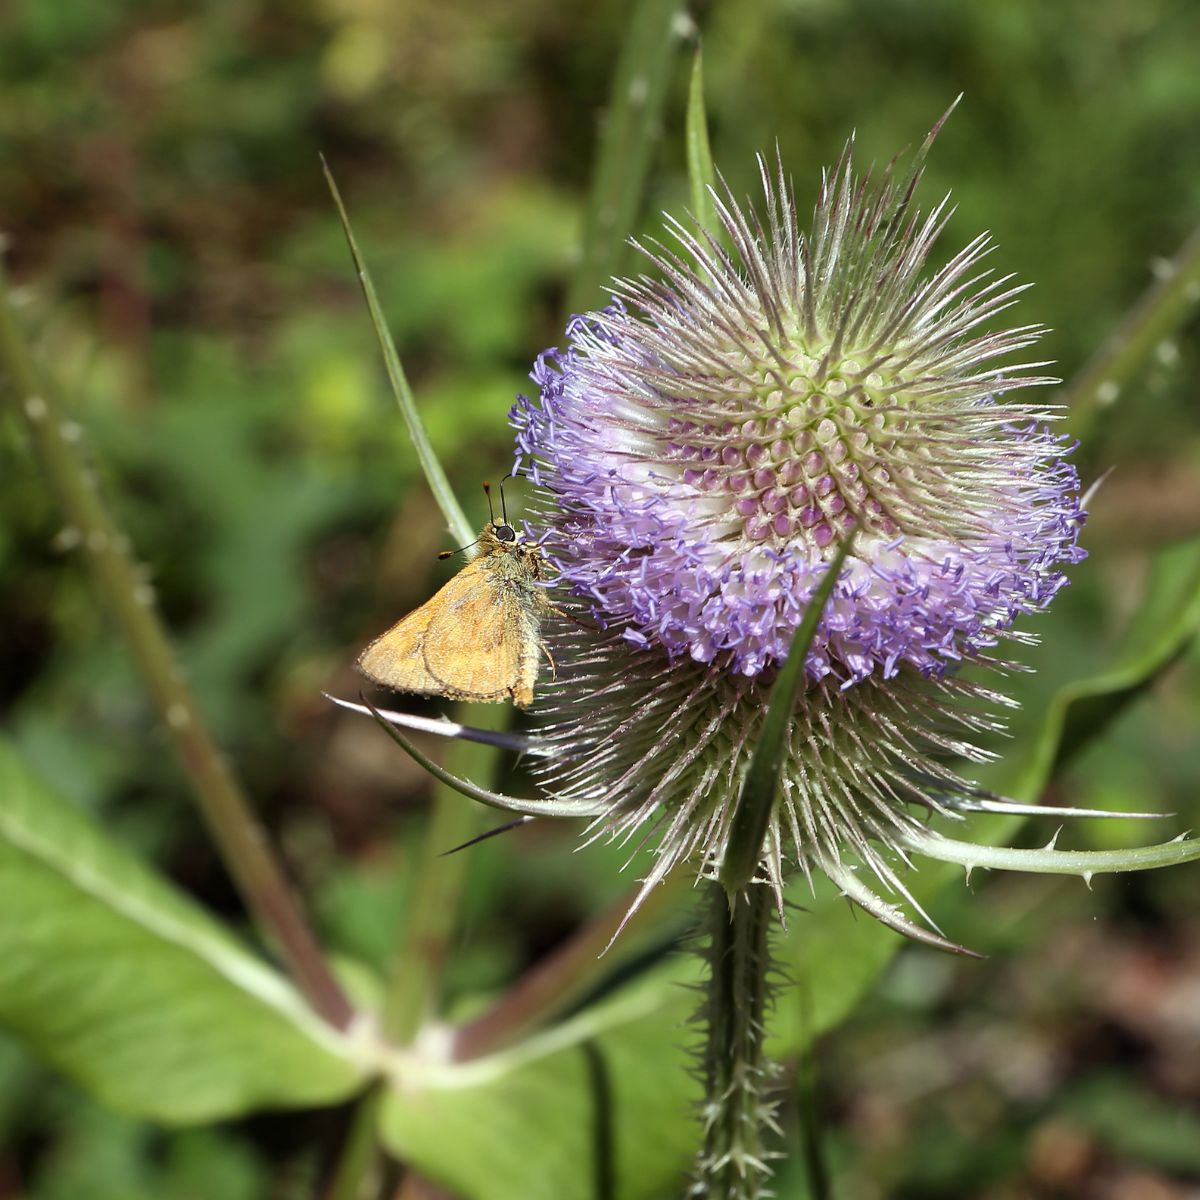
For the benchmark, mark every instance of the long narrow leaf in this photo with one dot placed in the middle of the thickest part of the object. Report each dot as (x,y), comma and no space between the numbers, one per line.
(439,485)
(630,128)
(757,800)
(818,948)
(702,174)
(1048,860)
(1166,624)
(535,807)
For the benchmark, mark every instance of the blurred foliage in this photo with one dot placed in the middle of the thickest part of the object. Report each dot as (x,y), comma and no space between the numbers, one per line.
(186,277)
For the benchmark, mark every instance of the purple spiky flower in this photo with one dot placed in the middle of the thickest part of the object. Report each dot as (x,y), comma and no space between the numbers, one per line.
(701,448)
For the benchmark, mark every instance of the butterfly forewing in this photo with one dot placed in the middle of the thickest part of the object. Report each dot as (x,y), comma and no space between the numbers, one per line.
(397,658)
(478,638)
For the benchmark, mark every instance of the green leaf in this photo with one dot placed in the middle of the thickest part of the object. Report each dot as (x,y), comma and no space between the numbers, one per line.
(627,139)
(1056,724)
(1136,1123)
(122,983)
(439,485)
(701,174)
(823,945)
(1048,860)
(1167,623)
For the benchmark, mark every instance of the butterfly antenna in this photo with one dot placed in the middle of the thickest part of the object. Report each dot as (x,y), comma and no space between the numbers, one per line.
(487,491)
(491,833)
(503,506)
(443,554)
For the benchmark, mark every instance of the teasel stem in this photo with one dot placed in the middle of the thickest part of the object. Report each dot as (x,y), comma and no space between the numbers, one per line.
(1162,308)
(737,1072)
(738,1076)
(241,840)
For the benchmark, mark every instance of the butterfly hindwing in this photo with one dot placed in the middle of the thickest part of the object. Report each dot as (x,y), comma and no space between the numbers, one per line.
(396,658)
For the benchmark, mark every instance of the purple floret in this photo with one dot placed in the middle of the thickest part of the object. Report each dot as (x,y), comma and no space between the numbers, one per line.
(665,548)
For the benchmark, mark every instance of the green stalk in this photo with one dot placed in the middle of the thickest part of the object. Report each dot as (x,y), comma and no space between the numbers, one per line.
(240,839)
(415,981)
(737,1073)
(1162,308)
(359,1164)
(413,989)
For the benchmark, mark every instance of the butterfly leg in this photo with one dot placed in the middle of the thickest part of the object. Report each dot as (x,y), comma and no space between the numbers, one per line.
(550,660)
(562,612)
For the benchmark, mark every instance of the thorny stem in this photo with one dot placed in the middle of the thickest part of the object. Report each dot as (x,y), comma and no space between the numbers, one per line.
(737,1074)
(240,838)
(1162,308)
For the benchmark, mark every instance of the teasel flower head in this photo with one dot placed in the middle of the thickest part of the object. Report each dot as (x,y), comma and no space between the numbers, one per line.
(702,447)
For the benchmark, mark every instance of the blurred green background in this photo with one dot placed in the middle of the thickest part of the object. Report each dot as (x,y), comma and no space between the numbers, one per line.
(182,267)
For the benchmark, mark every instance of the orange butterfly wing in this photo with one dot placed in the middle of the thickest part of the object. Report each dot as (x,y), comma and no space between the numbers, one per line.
(472,641)
(481,643)
(396,657)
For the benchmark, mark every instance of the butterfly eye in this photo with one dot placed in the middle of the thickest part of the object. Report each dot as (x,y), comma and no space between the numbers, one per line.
(505,533)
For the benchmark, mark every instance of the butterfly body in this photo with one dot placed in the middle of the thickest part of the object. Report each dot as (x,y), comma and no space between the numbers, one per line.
(479,636)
